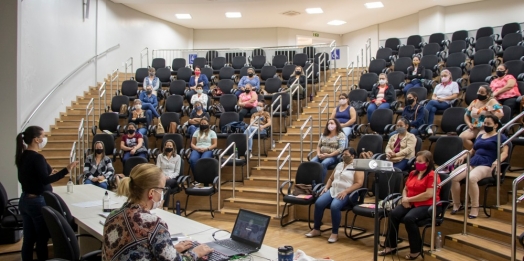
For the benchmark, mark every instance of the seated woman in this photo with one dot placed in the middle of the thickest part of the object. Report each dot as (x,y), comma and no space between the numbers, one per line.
(330,145)
(98,168)
(417,197)
(251,79)
(247,101)
(505,89)
(141,118)
(382,95)
(169,162)
(152,80)
(194,118)
(203,142)
(415,75)
(443,94)
(345,114)
(265,122)
(197,80)
(147,235)
(335,194)
(401,146)
(200,97)
(132,143)
(413,112)
(301,83)
(475,114)
(482,162)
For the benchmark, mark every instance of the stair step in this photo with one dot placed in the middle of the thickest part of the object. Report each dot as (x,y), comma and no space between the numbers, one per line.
(498,230)
(447,255)
(481,247)
(504,213)
(230,214)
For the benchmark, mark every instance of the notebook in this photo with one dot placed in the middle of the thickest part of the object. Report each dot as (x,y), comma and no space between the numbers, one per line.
(247,236)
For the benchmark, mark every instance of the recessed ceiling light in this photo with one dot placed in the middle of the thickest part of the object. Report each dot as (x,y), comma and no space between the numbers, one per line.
(316,10)
(336,22)
(233,15)
(183,16)
(374,5)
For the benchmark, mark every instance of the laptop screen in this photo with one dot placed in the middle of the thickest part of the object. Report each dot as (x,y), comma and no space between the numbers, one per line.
(250,227)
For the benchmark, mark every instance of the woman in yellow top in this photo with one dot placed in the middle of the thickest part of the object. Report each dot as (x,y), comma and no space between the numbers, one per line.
(401,146)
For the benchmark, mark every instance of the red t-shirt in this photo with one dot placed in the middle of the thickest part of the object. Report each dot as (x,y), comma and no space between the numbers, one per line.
(414,187)
(133,140)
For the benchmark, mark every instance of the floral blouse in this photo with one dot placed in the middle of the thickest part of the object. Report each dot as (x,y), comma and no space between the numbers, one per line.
(479,114)
(132,233)
(331,144)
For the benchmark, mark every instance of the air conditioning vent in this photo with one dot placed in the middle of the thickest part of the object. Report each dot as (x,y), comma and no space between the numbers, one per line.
(291,13)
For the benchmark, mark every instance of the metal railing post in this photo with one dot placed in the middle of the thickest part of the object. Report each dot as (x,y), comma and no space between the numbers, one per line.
(333,47)
(321,110)
(90,110)
(335,89)
(142,56)
(250,136)
(279,99)
(127,64)
(221,165)
(287,149)
(115,78)
(102,93)
(303,136)
(72,157)
(81,144)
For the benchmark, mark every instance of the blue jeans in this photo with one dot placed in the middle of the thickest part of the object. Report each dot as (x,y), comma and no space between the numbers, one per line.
(149,107)
(98,184)
(432,108)
(195,156)
(248,132)
(347,131)
(325,200)
(402,165)
(143,131)
(35,228)
(128,155)
(373,107)
(191,129)
(325,164)
(413,83)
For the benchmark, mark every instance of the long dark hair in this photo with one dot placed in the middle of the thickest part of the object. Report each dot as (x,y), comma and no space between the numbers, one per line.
(327,131)
(26,137)
(429,159)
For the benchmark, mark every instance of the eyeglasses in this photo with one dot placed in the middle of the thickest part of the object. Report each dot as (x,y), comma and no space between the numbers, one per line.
(164,190)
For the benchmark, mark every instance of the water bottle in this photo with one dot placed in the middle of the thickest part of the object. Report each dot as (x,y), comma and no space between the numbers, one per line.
(272,144)
(438,242)
(178,207)
(236,153)
(70,186)
(311,97)
(105,203)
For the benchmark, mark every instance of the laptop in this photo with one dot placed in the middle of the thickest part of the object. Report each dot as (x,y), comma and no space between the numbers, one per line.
(372,164)
(247,236)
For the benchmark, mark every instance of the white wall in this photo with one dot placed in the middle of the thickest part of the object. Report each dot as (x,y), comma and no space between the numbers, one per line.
(232,38)
(400,27)
(356,40)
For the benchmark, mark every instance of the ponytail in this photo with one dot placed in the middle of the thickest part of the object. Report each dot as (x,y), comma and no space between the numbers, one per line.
(143,177)
(26,137)
(20,147)
(123,187)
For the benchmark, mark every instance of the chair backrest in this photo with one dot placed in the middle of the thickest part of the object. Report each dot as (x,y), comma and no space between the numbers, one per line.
(422,93)
(107,139)
(108,121)
(402,64)
(300,59)
(484,56)
(287,71)
(456,59)
(65,244)
(307,172)
(243,71)
(444,195)
(406,51)
(418,145)
(163,74)
(200,62)
(367,81)
(228,101)
(393,43)
(227,117)
(515,67)
(279,61)
(258,61)
(358,95)
(396,78)
(206,169)
(511,39)
(177,87)
(167,118)
(510,28)
(457,46)
(431,49)
(471,92)
(178,63)
(456,72)
(460,35)
(377,66)
(176,137)
(452,118)
(379,119)
(484,43)
(131,163)
(117,102)
(371,142)
(437,38)
(57,203)
(130,88)
(413,40)
(513,53)
(158,63)
(226,73)
(446,148)
(285,101)
(218,62)
(384,53)
(141,74)
(267,72)
(273,85)
(238,62)
(484,32)
(174,103)
(240,143)
(226,85)
(208,71)
(480,72)
(389,183)
(184,74)
(507,114)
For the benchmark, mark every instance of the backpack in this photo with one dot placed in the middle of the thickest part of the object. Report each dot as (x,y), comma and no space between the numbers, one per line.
(358,105)
(217,108)
(234,127)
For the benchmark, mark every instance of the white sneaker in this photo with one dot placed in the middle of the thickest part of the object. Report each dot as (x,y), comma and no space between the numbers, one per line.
(430,131)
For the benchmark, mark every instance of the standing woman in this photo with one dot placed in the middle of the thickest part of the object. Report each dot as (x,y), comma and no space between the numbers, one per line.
(35,175)
(332,142)
(169,162)
(345,114)
(98,168)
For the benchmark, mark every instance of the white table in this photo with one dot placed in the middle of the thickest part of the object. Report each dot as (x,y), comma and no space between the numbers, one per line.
(89,222)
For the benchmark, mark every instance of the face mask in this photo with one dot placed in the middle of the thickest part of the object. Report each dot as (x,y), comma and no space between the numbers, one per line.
(347,159)
(151,74)
(401,130)
(157,204)
(410,101)
(420,166)
(260,108)
(481,97)
(250,74)
(298,72)
(149,91)
(138,106)
(131,132)
(488,129)
(416,62)
(42,144)
(99,151)
(332,127)
(247,91)
(444,79)
(204,127)
(169,150)
(199,91)
(382,82)
(342,101)
(198,108)
(197,73)
(501,73)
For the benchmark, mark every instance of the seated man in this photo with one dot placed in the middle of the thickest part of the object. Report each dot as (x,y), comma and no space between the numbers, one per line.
(265,121)
(149,101)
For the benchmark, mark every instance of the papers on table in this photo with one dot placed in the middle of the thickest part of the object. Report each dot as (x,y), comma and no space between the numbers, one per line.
(104,214)
(94,203)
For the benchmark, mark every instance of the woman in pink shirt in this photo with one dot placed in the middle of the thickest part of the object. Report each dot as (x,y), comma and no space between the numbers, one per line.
(505,88)
(247,101)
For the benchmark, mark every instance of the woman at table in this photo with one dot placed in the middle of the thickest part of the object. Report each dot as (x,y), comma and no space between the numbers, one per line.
(35,175)
(339,186)
(133,232)
(417,197)
(98,168)
(169,162)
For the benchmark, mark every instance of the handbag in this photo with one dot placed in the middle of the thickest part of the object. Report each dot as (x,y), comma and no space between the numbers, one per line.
(160,128)
(303,189)
(217,91)
(123,109)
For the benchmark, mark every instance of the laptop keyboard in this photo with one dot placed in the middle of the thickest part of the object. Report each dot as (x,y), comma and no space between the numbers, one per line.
(213,256)
(234,246)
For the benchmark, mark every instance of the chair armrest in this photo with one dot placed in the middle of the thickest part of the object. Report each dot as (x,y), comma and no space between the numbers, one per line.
(85,235)
(93,129)
(438,203)
(361,194)
(379,156)
(91,255)
(309,154)
(318,188)
(392,196)
(461,128)
(411,161)
(290,182)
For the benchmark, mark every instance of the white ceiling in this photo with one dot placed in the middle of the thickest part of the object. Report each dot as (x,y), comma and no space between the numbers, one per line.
(210,14)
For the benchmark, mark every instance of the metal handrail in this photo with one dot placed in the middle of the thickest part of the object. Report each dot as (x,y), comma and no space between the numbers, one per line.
(142,56)
(101,94)
(72,157)
(326,99)
(291,93)
(362,55)
(368,50)
(442,183)
(333,46)
(81,144)
(303,136)
(514,202)
(115,78)
(90,108)
(250,136)
(308,74)
(128,63)
(499,133)
(221,165)
(352,72)
(323,62)
(358,60)
(336,88)
(279,168)
(75,71)
(279,99)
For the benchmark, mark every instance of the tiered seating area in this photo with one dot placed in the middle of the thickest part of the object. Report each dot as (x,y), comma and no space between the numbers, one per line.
(487,238)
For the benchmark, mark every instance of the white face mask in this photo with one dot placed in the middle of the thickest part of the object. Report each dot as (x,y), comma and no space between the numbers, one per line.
(43,143)
(332,127)
(382,82)
(157,204)
(260,108)
(342,101)
(444,79)
(138,106)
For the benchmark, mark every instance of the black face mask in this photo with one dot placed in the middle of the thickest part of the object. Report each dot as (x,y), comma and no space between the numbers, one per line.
(482,97)
(410,101)
(131,132)
(149,91)
(501,73)
(247,91)
(488,129)
(99,151)
(169,150)
(298,72)
(250,74)
(204,127)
